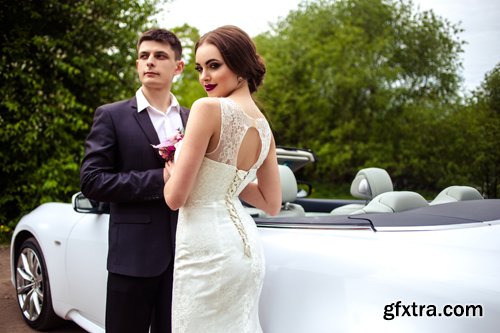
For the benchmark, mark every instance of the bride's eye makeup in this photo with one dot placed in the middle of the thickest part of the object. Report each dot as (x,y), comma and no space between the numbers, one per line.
(214,65)
(211,64)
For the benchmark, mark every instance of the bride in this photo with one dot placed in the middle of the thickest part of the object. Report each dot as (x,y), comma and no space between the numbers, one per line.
(219,262)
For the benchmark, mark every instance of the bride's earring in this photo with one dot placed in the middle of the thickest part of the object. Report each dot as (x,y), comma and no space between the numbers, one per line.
(240,79)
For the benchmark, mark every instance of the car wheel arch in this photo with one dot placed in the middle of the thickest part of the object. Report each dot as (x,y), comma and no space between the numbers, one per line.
(47,318)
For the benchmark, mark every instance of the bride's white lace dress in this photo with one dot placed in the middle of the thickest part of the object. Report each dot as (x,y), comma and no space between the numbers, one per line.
(219,263)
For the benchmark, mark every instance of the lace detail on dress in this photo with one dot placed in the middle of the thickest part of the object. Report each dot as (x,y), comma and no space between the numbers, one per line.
(219,260)
(234,125)
(230,135)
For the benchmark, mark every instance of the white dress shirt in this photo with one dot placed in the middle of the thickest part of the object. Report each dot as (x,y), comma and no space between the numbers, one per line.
(165,123)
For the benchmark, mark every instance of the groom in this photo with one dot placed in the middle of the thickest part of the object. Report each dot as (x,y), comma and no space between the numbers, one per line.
(121,167)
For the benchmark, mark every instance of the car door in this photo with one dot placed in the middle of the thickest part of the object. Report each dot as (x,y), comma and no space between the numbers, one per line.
(86,266)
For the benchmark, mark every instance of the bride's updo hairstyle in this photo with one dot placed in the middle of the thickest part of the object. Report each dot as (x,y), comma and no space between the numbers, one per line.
(239,53)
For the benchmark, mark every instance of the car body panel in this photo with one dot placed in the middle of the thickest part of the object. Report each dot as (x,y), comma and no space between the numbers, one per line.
(327,280)
(86,274)
(323,273)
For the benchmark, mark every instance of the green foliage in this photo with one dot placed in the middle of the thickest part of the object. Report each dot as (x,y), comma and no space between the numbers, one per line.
(364,83)
(482,117)
(187,89)
(59,61)
(361,82)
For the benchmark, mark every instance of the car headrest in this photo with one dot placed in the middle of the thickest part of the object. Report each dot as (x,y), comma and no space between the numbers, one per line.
(371,182)
(392,202)
(457,193)
(288,184)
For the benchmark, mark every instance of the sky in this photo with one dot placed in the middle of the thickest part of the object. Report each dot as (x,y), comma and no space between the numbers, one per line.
(480,20)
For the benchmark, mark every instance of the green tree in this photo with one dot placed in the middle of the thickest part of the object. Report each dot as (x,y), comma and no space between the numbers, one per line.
(187,89)
(59,60)
(346,77)
(455,143)
(483,121)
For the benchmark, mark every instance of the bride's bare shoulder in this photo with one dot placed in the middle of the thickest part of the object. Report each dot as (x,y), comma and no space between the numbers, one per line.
(206,103)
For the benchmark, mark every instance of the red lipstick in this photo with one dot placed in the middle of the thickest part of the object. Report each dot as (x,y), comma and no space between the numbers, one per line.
(210,87)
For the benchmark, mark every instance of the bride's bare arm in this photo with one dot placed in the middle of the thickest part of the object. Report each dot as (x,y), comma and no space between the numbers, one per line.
(266,193)
(203,119)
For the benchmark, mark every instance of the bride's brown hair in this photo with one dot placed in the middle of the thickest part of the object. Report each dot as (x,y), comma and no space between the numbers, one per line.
(239,53)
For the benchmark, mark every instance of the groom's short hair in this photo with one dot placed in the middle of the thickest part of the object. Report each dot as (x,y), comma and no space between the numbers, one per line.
(162,36)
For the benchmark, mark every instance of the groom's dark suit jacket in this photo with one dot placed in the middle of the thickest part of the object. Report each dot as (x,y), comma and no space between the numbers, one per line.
(121,167)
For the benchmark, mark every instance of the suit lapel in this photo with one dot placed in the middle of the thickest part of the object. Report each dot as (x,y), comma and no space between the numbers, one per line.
(147,126)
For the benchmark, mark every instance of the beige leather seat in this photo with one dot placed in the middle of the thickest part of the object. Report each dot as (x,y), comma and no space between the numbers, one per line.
(289,193)
(367,184)
(456,193)
(393,202)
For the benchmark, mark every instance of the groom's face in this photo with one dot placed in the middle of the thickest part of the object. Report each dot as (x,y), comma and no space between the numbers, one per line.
(156,65)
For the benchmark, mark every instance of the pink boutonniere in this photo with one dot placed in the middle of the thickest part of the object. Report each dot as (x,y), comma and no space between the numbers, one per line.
(166,149)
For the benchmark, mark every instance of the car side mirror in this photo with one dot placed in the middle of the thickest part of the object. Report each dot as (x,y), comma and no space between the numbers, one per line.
(82,204)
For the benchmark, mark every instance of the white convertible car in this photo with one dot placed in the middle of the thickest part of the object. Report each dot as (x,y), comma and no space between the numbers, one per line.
(388,262)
